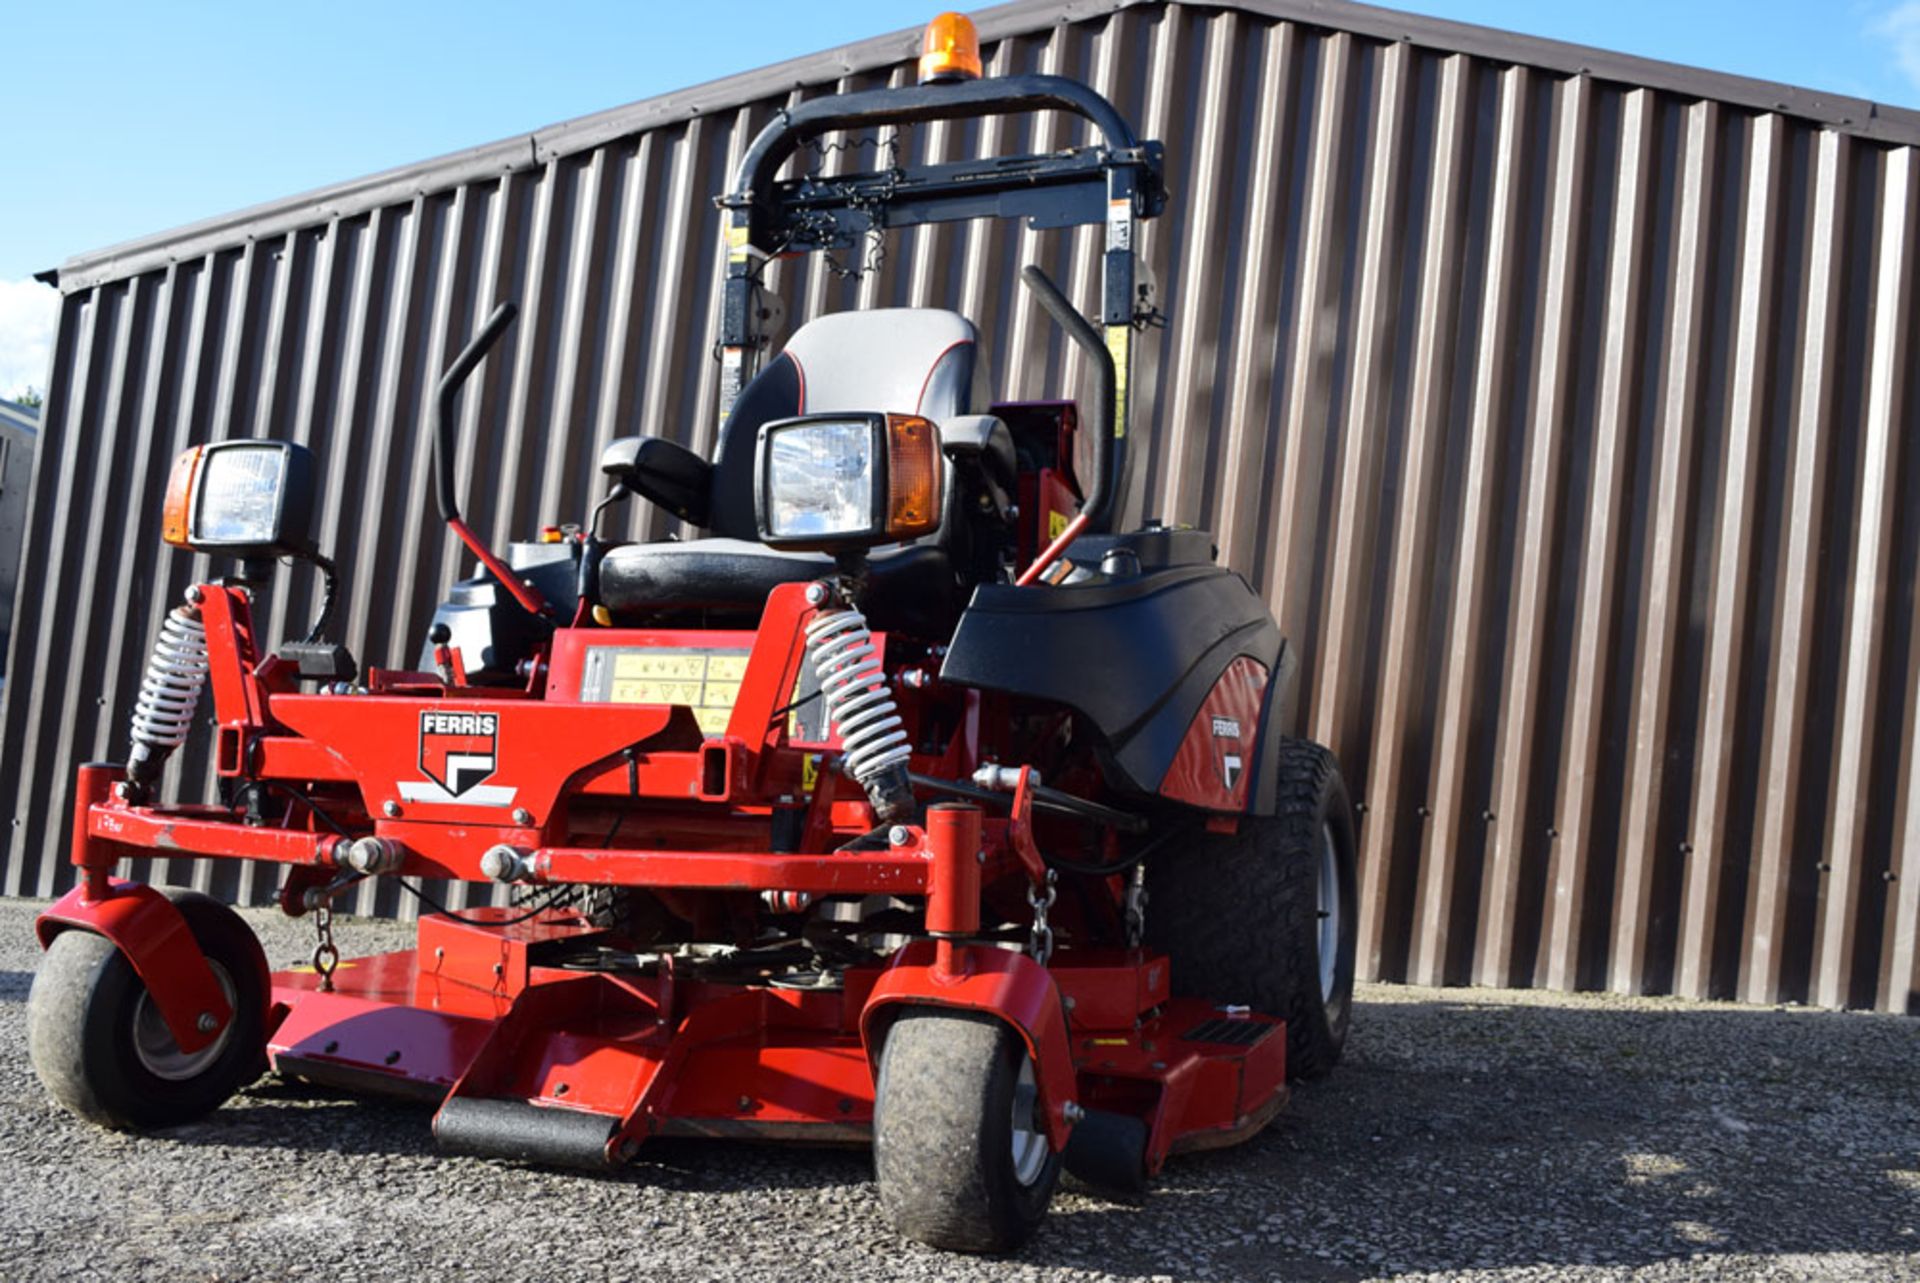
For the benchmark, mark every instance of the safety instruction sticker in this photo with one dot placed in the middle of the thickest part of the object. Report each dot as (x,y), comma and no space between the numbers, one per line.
(705,679)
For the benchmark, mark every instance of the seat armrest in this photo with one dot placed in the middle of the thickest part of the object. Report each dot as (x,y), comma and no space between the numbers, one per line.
(666,472)
(981,438)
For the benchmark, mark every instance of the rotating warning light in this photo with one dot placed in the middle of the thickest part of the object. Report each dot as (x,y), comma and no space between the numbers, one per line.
(950,50)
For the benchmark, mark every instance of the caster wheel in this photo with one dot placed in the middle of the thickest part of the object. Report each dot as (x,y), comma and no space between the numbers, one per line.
(101,1048)
(958,1150)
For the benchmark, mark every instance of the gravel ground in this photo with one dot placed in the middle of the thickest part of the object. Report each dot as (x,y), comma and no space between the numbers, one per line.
(1470,1134)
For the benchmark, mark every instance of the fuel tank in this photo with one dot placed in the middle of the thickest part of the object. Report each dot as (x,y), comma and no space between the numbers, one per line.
(1135,640)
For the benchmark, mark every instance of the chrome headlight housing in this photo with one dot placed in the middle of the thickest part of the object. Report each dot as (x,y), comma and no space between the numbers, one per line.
(838,482)
(241,499)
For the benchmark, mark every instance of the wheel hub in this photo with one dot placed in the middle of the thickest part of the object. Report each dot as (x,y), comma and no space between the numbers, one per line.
(154,1045)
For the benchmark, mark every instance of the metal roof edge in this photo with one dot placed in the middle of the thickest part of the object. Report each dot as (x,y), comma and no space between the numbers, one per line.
(1894,125)
(19,417)
(1860,116)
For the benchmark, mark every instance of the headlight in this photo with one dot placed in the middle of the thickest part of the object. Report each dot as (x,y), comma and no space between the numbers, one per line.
(241,498)
(845,481)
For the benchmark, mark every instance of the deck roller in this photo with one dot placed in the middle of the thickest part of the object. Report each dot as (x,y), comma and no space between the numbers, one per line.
(523,1132)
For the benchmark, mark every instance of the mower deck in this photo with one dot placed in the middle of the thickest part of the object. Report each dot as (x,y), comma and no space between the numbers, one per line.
(572,1064)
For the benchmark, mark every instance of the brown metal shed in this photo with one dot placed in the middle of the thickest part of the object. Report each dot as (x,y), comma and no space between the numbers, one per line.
(1561,403)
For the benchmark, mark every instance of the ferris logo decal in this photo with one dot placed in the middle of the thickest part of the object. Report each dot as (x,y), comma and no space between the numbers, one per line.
(458,752)
(457,749)
(1226,728)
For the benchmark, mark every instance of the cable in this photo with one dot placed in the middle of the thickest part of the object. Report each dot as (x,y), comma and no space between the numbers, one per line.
(329,592)
(296,795)
(553,900)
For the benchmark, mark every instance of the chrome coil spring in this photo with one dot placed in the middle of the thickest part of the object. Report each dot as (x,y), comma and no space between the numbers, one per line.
(854,687)
(163,713)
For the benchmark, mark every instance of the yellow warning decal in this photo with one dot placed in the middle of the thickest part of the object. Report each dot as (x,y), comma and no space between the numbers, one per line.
(1056,524)
(707,681)
(1120,344)
(809,772)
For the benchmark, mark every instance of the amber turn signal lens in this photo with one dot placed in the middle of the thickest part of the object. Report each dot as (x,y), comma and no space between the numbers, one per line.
(174,514)
(913,476)
(950,50)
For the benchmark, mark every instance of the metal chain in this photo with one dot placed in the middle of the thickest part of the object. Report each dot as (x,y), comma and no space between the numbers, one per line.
(326,955)
(1040,939)
(1136,905)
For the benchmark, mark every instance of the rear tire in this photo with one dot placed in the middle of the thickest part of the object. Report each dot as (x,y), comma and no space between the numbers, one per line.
(1266,916)
(958,1152)
(98,1043)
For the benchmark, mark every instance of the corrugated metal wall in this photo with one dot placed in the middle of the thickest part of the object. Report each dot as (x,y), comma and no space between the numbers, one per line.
(1567,422)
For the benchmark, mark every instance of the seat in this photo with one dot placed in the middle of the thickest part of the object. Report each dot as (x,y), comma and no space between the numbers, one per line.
(923,361)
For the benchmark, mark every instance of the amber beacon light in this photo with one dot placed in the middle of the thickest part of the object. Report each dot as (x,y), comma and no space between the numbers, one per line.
(950,50)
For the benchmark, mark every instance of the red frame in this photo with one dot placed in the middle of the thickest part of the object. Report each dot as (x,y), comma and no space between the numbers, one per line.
(474,1012)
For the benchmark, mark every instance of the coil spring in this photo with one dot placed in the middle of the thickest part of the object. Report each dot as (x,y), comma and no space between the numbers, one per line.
(177,670)
(854,687)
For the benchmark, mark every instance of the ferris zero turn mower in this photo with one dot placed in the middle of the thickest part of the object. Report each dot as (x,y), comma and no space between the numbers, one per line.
(909,803)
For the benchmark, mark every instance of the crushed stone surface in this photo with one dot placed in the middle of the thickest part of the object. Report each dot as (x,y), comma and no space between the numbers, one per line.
(1468,1135)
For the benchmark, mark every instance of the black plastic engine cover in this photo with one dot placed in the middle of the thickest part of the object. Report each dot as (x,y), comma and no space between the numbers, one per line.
(1136,656)
(492,631)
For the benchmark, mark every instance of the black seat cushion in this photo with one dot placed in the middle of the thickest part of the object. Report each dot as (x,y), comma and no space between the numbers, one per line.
(909,589)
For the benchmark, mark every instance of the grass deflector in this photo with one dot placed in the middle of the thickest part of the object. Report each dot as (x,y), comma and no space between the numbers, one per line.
(907,802)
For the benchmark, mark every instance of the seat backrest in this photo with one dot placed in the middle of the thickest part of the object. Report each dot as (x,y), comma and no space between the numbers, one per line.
(899,360)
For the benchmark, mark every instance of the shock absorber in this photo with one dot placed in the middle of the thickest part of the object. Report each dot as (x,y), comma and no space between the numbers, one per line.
(163,713)
(860,707)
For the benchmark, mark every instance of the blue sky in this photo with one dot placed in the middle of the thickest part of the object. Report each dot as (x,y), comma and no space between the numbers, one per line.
(122,118)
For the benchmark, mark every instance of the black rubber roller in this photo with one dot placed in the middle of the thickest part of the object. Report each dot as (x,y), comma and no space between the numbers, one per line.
(514,1129)
(1109,1151)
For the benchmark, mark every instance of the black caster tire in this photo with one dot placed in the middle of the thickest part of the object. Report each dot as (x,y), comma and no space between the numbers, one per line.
(101,1049)
(958,1152)
(1267,916)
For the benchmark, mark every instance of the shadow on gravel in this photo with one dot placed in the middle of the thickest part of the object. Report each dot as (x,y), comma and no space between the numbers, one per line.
(1463,1135)
(1458,1134)
(14,985)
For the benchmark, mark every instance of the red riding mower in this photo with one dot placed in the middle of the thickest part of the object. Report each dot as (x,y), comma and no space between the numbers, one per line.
(907,804)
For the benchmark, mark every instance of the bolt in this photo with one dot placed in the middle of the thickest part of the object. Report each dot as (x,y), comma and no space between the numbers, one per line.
(981,855)
(1070,1003)
(206,1024)
(898,835)
(562,1089)
(816,594)
(390,809)
(392,1056)
(331,1047)
(746,1103)
(194,595)
(522,816)
(439,954)
(120,791)
(1072,1112)
(1553,834)
(1487,816)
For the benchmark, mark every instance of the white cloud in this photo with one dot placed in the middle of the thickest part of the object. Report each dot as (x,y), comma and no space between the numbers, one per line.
(1900,26)
(28,313)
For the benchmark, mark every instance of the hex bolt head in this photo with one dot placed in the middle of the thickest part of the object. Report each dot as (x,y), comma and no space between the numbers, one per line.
(1072,1111)
(522,816)
(194,595)
(816,594)
(206,1024)
(898,835)
(390,809)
